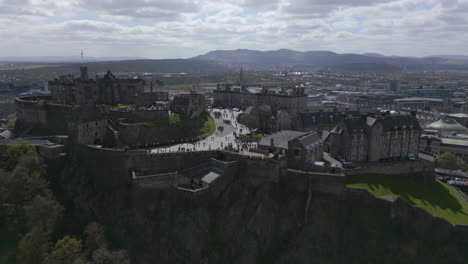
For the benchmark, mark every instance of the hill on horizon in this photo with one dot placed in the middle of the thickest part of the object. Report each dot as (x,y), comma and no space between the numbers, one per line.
(141,65)
(286,58)
(228,60)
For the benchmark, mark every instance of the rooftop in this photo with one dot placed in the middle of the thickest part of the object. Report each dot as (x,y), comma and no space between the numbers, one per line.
(416,99)
(456,142)
(280,139)
(448,125)
(459,115)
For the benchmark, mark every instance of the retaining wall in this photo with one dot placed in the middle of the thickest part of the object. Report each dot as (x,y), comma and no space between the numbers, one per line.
(420,171)
(317,181)
(140,115)
(412,215)
(36,111)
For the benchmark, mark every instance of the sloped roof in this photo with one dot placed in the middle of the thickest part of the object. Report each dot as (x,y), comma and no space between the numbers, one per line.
(456,142)
(459,115)
(393,122)
(109,76)
(354,124)
(280,139)
(324,118)
(448,125)
(309,139)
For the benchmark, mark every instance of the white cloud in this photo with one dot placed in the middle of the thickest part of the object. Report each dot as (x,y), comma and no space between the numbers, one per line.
(183,28)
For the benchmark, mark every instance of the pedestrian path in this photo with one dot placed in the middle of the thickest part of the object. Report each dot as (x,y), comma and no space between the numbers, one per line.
(227,128)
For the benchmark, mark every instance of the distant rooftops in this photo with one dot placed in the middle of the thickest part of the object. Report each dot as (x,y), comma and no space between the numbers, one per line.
(284,91)
(448,125)
(418,99)
(459,115)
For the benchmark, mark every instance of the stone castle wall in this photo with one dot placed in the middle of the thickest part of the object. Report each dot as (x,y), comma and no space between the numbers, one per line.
(420,171)
(112,168)
(160,181)
(140,115)
(146,163)
(89,132)
(317,182)
(292,104)
(148,98)
(106,167)
(37,111)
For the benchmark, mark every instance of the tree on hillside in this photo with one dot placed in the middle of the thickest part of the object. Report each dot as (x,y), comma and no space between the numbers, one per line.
(67,250)
(33,247)
(11,154)
(95,237)
(43,212)
(449,161)
(106,256)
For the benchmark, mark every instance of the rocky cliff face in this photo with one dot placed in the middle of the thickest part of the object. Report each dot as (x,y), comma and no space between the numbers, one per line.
(270,222)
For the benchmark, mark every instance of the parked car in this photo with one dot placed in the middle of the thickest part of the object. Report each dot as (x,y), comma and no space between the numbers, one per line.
(412,157)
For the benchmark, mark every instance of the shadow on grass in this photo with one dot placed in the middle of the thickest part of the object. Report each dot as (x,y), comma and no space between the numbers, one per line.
(437,195)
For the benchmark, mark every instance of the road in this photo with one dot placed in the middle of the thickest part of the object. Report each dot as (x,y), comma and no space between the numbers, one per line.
(219,140)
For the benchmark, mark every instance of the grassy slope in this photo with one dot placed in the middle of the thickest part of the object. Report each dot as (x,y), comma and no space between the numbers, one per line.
(208,128)
(439,200)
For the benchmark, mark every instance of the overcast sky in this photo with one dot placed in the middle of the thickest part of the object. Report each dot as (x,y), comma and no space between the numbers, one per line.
(185,28)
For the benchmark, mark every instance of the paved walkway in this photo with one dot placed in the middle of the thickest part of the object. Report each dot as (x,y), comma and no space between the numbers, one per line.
(227,121)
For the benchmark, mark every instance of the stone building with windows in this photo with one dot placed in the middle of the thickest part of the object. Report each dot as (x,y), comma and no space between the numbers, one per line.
(285,104)
(108,89)
(304,150)
(438,145)
(191,105)
(374,138)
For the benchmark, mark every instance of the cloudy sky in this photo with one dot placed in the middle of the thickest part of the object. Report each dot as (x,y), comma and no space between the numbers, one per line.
(184,28)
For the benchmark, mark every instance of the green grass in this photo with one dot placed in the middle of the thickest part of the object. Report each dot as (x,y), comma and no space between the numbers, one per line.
(124,107)
(187,126)
(208,128)
(439,200)
(11,120)
(27,67)
(176,119)
(258,135)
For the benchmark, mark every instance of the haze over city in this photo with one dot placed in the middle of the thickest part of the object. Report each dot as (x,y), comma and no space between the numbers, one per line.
(182,28)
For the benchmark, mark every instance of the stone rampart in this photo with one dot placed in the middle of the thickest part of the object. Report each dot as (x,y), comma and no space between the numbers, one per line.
(420,171)
(107,167)
(415,216)
(38,111)
(160,181)
(317,182)
(146,163)
(141,135)
(148,98)
(139,115)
